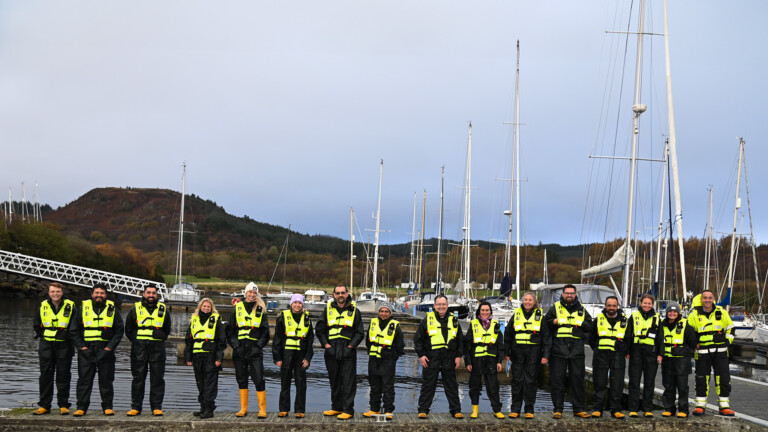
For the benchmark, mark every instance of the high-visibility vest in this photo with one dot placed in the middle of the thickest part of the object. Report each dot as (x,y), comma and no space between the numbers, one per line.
(295,331)
(337,321)
(645,329)
(381,339)
(526,327)
(202,331)
(53,322)
(435,331)
(708,326)
(94,323)
(607,334)
(147,322)
(247,321)
(482,338)
(674,337)
(567,321)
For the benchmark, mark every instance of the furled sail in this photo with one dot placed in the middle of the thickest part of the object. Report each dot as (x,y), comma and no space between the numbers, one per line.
(613,265)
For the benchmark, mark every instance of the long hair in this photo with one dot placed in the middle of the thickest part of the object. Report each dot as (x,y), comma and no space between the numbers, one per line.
(199,305)
(483,303)
(535,302)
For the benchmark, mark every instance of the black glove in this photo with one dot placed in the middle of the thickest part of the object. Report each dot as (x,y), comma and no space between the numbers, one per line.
(209,346)
(158,334)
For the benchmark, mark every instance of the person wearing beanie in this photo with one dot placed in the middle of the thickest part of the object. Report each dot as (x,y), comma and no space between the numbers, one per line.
(679,346)
(292,352)
(385,345)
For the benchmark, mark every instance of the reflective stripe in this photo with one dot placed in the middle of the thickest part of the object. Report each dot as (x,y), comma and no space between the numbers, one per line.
(525,328)
(712,350)
(481,337)
(53,322)
(607,334)
(380,339)
(435,332)
(93,323)
(566,321)
(247,321)
(147,322)
(337,321)
(708,326)
(203,332)
(295,332)
(674,337)
(645,328)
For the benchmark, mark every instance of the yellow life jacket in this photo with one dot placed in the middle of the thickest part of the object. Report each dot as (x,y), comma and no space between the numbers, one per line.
(482,338)
(381,339)
(53,322)
(710,328)
(93,323)
(526,327)
(566,321)
(247,321)
(203,331)
(147,322)
(645,329)
(608,334)
(435,332)
(295,331)
(674,337)
(337,321)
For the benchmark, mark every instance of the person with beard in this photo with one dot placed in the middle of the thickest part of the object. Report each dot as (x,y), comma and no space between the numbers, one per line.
(248,334)
(385,345)
(340,331)
(292,352)
(679,346)
(204,351)
(96,336)
(644,350)
(483,353)
(147,326)
(569,324)
(608,357)
(52,326)
(437,342)
(524,341)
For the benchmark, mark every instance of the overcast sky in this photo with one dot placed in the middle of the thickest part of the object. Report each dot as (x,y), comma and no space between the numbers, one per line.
(282,110)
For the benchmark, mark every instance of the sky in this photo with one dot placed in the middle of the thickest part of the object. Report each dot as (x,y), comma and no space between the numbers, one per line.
(283,110)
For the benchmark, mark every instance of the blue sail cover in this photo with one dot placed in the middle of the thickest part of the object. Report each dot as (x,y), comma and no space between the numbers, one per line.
(506,285)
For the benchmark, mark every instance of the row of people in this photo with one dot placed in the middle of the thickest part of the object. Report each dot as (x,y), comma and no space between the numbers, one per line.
(532,338)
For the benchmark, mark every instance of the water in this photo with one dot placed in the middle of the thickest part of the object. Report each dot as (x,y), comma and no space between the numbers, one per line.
(19,373)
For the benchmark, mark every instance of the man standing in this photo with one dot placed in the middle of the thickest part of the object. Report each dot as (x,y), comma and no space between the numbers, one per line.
(52,326)
(714,330)
(609,350)
(147,326)
(292,352)
(569,325)
(438,345)
(96,335)
(385,345)
(340,331)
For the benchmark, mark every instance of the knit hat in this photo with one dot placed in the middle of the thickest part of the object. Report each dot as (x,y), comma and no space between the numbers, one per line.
(673,306)
(385,306)
(297,298)
(251,286)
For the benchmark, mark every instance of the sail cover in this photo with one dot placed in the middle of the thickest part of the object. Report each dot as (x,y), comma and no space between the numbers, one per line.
(613,265)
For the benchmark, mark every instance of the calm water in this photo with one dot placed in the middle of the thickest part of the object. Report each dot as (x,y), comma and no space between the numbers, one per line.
(19,373)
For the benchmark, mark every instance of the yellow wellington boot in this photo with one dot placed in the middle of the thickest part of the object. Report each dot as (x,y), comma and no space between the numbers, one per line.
(262,397)
(243,403)
(474,411)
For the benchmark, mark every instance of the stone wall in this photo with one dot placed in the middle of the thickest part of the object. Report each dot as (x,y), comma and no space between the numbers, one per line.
(15,285)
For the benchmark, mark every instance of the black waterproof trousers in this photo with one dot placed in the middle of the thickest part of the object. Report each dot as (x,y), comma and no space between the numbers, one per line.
(642,364)
(557,381)
(717,363)
(292,368)
(484,368)
(341,362)
(674,378)
(55,363)
(381,377)
(608,365)
(91,361)
(207,380)
(148,356)
(444,365)
(249,362)
(525,377)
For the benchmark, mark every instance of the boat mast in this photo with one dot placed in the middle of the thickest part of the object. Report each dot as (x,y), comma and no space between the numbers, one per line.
(440,230)
(708,242)
(661,222)
(421,241)
(180,249)
(516,179)
(376,234)
(465,252)
(752,238)
(736,207)
(351,248)
(637,110)
(413,244)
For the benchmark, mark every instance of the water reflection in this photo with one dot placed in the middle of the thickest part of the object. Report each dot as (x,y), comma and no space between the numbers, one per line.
(19,374)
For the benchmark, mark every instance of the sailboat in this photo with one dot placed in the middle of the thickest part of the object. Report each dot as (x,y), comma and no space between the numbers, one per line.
(182,291)
(370,301)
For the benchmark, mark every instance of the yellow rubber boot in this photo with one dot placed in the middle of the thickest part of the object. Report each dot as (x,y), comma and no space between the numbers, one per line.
(243,403)
(474,411)
(262,397)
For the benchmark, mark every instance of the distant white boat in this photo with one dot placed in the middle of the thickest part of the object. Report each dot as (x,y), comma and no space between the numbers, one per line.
(315,300)
(182,291)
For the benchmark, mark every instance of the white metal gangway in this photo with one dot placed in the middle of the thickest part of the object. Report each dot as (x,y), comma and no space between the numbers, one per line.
(76,275)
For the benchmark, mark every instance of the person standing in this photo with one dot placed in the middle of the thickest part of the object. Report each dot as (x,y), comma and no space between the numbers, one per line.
(483,353)
(679,346)
(204,351)
(569,324)
(248,334)
(147,326)
(340,331)
(292,352)
(609,350)
(385,345)
(524,342)
(714,330)
(646,345)
(52,325)
(96,336)
(438,345)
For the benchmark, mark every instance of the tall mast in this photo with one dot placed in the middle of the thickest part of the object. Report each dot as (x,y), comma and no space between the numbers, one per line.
(708,240)
(376,244)
(421,240)
(516,180)
(465,268)
(736,207)
(661,220)
(10,205)
(440,231)
(351,248)
(752,239)
(413,243)
(180,249)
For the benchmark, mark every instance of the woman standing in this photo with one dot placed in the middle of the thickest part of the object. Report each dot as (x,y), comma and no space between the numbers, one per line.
(645,349)
(248,334)
(524,338)
(292,352)
(205,344)
(484,352)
